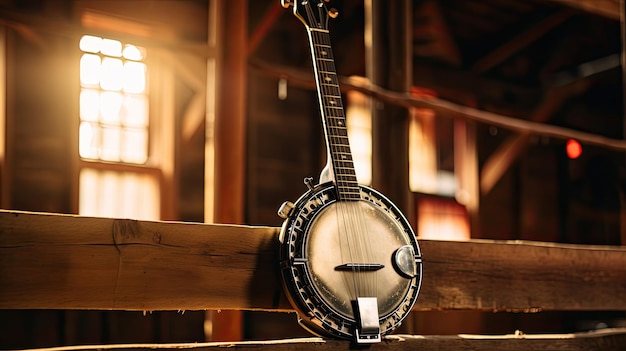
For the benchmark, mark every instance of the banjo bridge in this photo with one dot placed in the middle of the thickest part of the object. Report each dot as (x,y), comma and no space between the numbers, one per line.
(360,267)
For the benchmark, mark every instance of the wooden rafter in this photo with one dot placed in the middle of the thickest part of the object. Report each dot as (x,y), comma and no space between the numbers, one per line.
(260,32)
(520,42)
(13,18)
(607,8)
(434,35)
(502,158)
(566,87)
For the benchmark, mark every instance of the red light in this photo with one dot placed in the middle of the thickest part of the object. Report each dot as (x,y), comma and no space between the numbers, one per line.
(573,149)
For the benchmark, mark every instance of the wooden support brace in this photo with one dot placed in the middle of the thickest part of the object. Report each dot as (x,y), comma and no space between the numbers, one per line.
(50,261)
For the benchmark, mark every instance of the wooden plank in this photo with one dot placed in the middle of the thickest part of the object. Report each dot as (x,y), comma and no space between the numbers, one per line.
(522,276)
(606,340)
(68,262)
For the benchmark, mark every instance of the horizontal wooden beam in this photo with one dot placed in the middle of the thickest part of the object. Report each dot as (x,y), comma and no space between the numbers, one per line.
(51,261)
(33,23)
(69,262)
(605,340)
(443,107)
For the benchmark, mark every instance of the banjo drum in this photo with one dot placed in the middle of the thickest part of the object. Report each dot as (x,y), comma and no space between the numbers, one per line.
(350,264)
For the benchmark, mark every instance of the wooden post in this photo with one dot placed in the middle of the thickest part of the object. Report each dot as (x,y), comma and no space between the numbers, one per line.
(225,159)
(388,64)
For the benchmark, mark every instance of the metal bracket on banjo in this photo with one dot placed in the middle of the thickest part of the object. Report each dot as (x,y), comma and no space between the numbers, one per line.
(368,331)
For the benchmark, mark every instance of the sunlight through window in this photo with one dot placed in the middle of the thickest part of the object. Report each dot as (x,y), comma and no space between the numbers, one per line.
(113,101)
(442,219)
(114,133)
(118,194)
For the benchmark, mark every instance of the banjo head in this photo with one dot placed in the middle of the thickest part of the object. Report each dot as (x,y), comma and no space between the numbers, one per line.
(333,253)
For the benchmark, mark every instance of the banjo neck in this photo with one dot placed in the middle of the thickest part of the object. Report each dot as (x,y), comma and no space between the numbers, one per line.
(333,116)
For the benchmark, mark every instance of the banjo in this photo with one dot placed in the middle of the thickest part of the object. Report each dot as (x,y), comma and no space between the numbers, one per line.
(349,261)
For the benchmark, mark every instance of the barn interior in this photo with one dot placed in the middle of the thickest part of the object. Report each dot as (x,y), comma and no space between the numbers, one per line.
(484,119)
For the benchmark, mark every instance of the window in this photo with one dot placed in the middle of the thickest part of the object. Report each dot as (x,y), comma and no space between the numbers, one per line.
(114,132)
(113,101)
(431,152)
(443,173)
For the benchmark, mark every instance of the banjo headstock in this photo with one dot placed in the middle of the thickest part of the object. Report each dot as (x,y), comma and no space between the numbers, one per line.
(313,13)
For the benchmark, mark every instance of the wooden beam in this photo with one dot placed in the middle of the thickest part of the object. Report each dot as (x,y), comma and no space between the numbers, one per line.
(501,159)
(260,32)
(69,262)
(19,19)
(434,35)
(606,340)
(521,41)
(607,8)
(50,261)
(445,108)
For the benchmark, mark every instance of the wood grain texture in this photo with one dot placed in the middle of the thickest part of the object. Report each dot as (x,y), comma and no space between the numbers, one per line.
(522,276)
(608,340)
(70,262)
(50,261)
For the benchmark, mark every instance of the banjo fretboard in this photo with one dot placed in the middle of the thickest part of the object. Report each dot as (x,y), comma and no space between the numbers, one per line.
(333,116)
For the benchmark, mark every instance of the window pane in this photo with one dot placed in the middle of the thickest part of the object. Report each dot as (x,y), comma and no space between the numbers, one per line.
(110,107)
(132,52)
(89,70)
(111,47)
(89,102)
(112,74)
(422,151)
(135,146)
(136,107)
(89,140)
(134,77)
(89,43)
(442,219)
(111,139)
(118,194)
